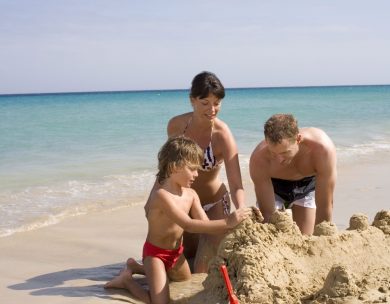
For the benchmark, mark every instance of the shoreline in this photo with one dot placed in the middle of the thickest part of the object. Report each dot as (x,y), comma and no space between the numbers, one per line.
(362,188)
(70,261)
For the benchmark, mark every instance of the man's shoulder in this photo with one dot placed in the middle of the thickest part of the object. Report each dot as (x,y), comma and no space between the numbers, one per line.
(317,139)
(313,132)
(260,153)
(259,159)
(322,151)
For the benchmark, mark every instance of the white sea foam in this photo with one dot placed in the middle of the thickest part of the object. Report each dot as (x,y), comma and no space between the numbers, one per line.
(351,153)
(344,153)
(36,207)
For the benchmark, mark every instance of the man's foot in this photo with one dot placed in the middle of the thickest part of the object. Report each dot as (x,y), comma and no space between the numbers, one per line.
(119,280)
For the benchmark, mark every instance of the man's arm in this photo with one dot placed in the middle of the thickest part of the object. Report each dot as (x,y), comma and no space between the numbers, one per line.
(263,185)
(326,175)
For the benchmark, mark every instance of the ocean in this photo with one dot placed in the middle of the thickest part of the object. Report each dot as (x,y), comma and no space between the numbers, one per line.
(63,155)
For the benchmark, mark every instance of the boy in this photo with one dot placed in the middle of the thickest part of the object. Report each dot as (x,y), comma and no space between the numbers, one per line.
(172,209)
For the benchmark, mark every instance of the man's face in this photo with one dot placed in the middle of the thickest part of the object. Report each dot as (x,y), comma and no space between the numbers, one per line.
(283,152)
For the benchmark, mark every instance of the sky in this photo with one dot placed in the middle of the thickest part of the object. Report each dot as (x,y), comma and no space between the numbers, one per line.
(120,45)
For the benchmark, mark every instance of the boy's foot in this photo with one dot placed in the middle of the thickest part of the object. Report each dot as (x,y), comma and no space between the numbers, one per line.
(134,266)
(119,280)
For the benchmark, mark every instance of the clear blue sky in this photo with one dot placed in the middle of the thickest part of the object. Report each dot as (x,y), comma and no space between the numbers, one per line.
(96,45)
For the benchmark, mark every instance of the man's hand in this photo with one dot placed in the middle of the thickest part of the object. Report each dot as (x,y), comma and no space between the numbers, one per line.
(256,214)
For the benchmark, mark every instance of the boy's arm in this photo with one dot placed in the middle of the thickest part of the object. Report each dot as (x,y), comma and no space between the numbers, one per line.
(204,225)
(197,212)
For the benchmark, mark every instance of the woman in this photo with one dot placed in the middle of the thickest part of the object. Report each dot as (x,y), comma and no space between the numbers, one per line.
(215,138)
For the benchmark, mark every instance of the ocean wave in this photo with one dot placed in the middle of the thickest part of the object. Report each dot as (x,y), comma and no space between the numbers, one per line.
(352,152)
(344,152)
(36,207)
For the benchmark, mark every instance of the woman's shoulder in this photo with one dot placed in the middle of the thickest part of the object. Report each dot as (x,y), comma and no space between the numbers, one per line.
(181,117)
(221,129)
(219,124)
(177,124)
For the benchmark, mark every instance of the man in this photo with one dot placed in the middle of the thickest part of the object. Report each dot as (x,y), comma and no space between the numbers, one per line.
(294,168)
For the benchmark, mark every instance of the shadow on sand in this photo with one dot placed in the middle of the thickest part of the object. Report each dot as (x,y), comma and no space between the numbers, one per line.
(77,283)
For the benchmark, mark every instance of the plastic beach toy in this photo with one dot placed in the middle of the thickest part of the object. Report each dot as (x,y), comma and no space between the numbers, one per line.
(232,297)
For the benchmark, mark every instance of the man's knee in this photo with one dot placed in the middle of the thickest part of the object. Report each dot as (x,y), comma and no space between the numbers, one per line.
(305,218)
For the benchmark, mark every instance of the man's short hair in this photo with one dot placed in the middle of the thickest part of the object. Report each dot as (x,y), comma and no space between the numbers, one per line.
(279,127)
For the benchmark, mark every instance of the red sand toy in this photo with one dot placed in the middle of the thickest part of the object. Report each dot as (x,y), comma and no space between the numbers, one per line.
(232,297)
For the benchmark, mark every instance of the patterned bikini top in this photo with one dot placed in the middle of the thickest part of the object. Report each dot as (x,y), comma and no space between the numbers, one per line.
(209,160)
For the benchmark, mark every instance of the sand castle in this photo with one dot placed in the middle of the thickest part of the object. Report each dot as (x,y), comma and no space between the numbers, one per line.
(274,263)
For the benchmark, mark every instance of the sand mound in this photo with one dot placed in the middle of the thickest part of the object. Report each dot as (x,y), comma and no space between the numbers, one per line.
(274,263)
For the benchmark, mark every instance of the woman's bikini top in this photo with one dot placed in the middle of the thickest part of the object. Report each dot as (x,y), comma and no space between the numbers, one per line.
(209,160)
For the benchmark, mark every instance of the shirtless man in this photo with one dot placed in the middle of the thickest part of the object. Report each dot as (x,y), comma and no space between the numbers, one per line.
(294,168)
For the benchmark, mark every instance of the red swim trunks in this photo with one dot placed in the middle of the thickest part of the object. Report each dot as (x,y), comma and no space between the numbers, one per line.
(168,256)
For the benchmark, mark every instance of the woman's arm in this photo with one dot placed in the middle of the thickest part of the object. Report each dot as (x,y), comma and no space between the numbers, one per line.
(232,166)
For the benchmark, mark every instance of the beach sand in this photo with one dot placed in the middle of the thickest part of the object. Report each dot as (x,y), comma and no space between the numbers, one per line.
(274,263)
(69,262)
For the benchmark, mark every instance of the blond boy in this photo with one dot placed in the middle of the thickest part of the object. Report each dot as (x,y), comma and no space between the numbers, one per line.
(173,208)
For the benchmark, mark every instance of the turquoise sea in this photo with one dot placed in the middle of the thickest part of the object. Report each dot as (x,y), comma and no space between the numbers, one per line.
(67,154)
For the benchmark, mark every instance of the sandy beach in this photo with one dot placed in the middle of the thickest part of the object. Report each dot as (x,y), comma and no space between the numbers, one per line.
(69,262)
(91,91)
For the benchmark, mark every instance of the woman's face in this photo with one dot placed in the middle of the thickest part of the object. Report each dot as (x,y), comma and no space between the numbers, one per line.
(207,107)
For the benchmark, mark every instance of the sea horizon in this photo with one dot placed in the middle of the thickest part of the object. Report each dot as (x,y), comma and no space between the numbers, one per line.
(186,89)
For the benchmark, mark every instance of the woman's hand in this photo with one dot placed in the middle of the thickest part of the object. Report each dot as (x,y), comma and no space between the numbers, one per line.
(238,216)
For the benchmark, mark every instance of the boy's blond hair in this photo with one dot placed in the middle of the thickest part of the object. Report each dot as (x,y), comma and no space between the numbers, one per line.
(279,127)
(176,153)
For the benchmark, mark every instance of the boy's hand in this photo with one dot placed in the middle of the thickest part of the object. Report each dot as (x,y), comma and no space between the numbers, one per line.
(238,216)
